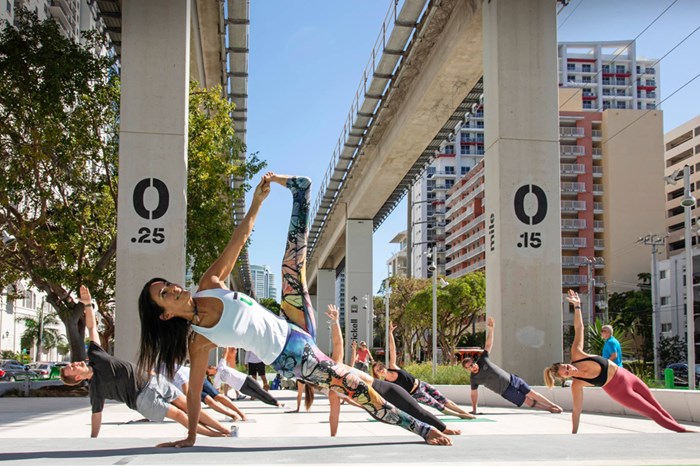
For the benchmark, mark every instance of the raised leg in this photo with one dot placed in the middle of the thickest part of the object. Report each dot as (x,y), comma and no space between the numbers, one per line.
(296,303)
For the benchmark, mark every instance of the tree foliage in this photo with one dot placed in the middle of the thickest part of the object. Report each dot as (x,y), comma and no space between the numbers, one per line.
(50,337)
(672,349)
(458,304)
(402,291)
(213,160)
(58,157)
(632,311)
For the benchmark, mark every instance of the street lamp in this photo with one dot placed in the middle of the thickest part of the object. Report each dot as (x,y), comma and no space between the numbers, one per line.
(591,262)
(688,202)
(387,296)
(443,283)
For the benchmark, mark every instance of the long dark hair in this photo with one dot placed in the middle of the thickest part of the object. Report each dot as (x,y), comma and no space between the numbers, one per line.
(163,342)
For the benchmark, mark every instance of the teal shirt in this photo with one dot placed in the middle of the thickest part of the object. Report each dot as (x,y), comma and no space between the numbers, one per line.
(613,346)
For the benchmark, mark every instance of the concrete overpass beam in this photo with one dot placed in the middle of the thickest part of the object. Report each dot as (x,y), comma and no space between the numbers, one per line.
(152,156)
(523,244)
(325,295)
(358,282)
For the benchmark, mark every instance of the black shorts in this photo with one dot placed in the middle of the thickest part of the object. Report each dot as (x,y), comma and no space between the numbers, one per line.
(256,368)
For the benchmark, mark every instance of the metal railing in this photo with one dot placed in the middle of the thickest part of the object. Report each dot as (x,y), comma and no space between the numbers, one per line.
(565,131)
(573,223)
(573,243)
(572,168)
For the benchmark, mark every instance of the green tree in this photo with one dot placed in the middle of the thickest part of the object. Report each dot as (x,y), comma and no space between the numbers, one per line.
(58,155)
(213,160)
(672,349)
(458,304)
(632,311)
(272,305)
(403,289)
(50,338)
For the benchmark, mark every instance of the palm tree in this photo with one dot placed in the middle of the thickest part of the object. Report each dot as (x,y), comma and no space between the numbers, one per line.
(50,338)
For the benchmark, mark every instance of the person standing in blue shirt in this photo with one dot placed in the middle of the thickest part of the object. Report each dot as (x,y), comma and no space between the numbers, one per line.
(611,349)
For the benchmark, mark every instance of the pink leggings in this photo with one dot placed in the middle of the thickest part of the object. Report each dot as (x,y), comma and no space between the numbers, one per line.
(628,390)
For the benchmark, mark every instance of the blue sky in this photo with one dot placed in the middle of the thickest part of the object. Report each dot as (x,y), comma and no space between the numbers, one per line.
(307,58)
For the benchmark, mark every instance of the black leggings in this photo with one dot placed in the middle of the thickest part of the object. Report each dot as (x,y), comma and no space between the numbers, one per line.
(253,389)
(400,398)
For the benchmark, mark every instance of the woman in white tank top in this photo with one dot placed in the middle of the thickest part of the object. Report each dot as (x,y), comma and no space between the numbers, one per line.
(219,317)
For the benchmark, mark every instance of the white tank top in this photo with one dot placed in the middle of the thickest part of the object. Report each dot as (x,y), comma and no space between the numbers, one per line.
(229,376)
(245,324)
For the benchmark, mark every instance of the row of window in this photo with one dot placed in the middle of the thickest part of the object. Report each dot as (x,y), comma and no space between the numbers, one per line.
(587,104)
(449,170)
(588,68)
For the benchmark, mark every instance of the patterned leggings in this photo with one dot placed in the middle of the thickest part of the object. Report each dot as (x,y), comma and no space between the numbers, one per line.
(301,358)
(430,396)
(628,390)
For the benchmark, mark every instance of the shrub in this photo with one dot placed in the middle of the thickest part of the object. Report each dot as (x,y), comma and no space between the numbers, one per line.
(445,375)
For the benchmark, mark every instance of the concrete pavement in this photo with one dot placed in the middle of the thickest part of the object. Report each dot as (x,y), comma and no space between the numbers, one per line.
(56,431)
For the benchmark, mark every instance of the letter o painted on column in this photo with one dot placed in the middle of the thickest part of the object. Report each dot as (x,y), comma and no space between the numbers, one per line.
(519,204)
(163,198)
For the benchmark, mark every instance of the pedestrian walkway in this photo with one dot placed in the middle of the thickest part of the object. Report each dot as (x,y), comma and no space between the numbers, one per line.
(56,431)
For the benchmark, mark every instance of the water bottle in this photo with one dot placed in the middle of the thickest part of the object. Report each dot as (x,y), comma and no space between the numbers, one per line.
(234,431)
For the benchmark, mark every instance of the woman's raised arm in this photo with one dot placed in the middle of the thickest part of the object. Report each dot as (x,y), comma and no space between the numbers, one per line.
(579,329)
(215,276)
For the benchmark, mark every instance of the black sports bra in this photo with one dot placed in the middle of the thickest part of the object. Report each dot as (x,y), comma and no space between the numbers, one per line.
(601,378)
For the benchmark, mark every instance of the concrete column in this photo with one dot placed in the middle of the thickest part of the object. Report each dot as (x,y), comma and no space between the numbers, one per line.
(325,295)
(523,240)
(358,282)
(152,156)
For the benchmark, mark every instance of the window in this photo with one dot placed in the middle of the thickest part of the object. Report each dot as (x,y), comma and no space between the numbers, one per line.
(606,104)
(606,91)
(620,81)
(571,67)
(431,171)
(651,106)
(465,170)
(621,92)
(431,184)
(651,82)
(666,327)
(606,68)
(665,300)
(639,105)
(586,68)
(9,7)
(464,150)
(571,79)
(586,79)
(480,150)
(662,274)
(621,105)
(449,183)
(650,70)
(587,104)
(619,68)
(449,149)
(479,124)
(449,170)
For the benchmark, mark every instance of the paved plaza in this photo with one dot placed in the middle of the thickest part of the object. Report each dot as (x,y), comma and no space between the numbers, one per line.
(55,431)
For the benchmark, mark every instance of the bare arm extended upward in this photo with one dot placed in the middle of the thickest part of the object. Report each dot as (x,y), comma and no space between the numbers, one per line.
(93,335)
(490,323)
(215,276)
(392,347)
(576,353)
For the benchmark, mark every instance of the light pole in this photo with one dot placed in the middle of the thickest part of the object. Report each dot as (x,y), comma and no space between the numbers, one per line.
(387,296)
(688,202)
(654,241)
(591,262)
(433,267)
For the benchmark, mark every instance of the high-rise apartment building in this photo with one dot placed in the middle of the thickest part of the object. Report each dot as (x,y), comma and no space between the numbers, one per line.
(603,213)
(72,16)
(263,281)
(592,77)
(682,146)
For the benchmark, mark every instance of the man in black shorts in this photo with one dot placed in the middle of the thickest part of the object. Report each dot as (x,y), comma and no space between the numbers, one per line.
(509,386)
(113,379)
(256,368)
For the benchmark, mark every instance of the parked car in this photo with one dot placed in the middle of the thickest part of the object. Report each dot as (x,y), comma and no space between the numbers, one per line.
(42,369)
(14,371)
(680,373)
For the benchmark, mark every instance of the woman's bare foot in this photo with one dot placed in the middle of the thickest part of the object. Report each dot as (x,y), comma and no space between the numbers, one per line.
(556,409)
(437,438)
(449,431)
(465,415)
(279,179)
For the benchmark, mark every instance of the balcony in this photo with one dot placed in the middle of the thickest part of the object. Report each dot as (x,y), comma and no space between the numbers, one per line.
(597,171)
(573,243)
(598,226)
(572,169)
(596,134)
(566,132)
(466,200)
(598,244)
(573,187)
(477,266)
(597,153)
(571,151)
(598,189)
(573,206)
(461,230)
(573,223)
(597,207)
(573,280)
